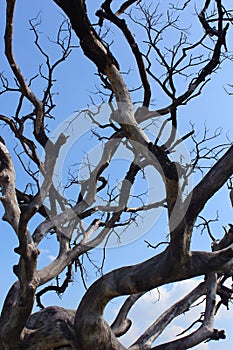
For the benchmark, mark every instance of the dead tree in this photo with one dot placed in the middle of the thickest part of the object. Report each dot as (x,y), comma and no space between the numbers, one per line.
(105,206)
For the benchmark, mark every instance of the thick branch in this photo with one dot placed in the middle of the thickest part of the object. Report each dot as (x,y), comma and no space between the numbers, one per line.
(125,5)
(90,42)
(121,24)
(121,324)
(7,187)
(135,279)
(51,327)
(22,294)
(210,184)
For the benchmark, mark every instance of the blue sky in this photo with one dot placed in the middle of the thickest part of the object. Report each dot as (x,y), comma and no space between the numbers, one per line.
(75,83)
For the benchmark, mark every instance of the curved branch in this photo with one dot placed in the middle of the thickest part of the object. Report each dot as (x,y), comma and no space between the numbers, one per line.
(95,50)
(121,24)
(125,5)
(26,91)
(121,324)
(58,289)
(90,42)
(135,279)
(209,185)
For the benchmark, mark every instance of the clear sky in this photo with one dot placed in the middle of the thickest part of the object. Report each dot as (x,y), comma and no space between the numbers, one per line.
(75,83)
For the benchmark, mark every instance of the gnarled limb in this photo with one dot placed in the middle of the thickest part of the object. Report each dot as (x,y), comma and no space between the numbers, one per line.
(121,324)
(7,187)
(132,280)
(87,328)
(21,294)
(52,327)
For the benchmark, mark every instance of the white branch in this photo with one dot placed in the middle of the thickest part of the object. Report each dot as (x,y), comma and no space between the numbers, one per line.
(7,186)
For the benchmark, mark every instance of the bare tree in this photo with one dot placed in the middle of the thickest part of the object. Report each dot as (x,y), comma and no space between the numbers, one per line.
(167,63)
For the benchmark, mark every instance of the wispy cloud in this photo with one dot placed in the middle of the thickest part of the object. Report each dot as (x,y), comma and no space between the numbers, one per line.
(51,257)
(47,254)
(154,303)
